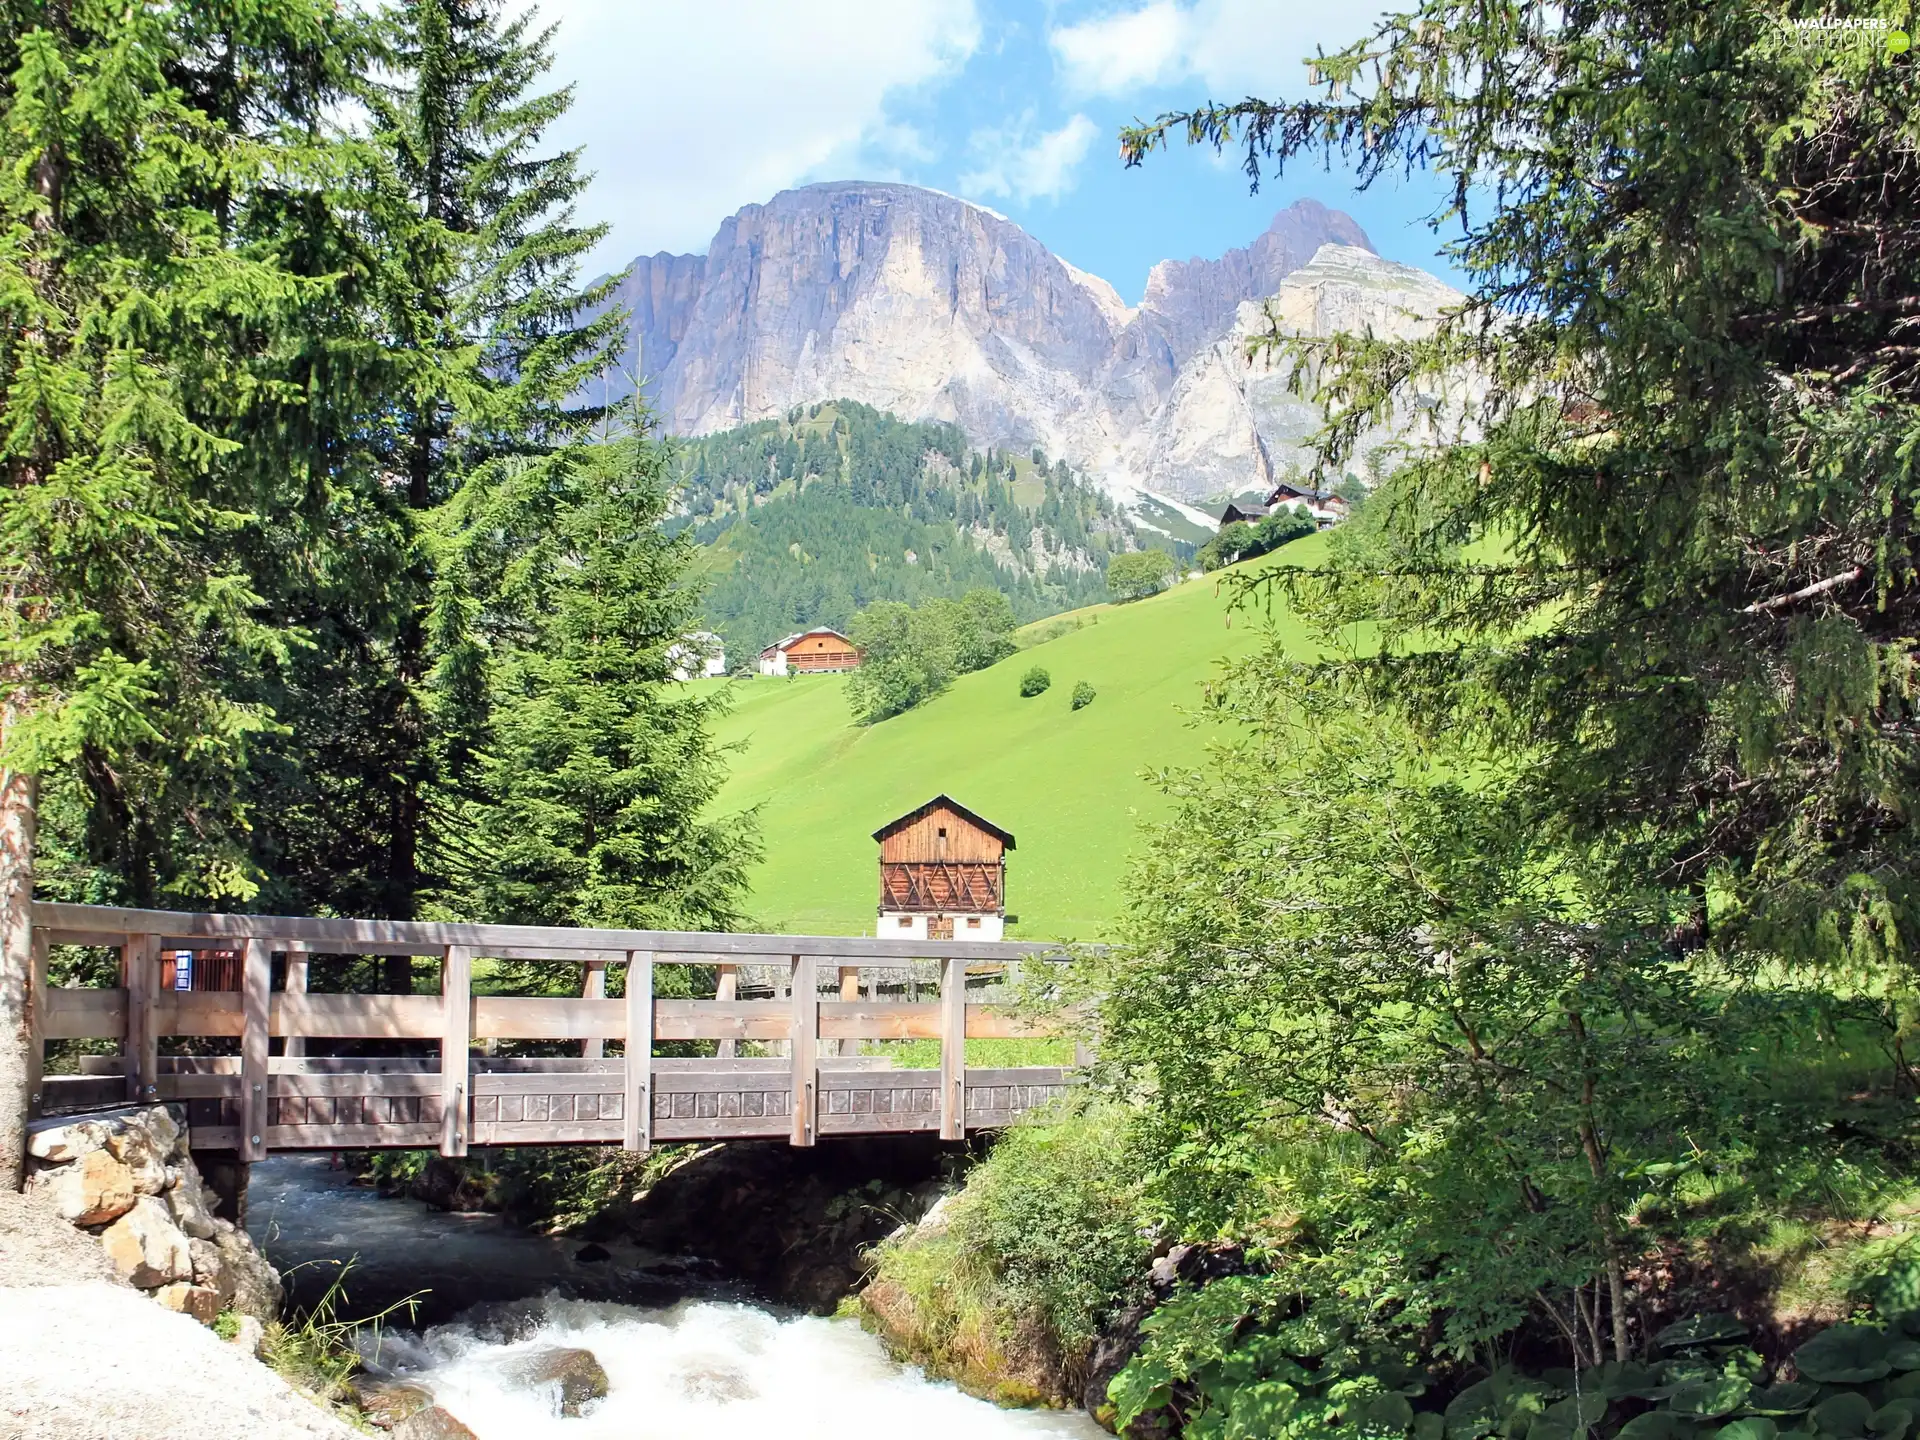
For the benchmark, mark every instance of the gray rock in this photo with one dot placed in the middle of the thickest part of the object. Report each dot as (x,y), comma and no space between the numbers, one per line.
(188,1200)
(90,1190)
(574,1375)
(256,1288)
(249,1336)
(387,1402)
(145,1246)
(432,1424)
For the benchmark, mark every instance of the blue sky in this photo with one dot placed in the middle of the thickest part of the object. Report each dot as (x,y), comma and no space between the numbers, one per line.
(689,109)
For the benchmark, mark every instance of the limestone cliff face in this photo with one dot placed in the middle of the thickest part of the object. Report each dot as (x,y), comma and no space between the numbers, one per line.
(1234,422)
(937,309)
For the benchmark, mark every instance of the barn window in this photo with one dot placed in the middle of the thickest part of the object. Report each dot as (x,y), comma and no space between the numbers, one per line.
(906,922)
(973,922)
(943,832)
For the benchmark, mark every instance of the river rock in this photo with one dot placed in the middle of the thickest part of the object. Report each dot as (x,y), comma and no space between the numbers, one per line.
(145,1247)
(89,1190)
(432,1424)
(577,1375)
(718,1384)
(388,1402)
(256,1284)
(249,1337)
(60,1143)
(199,1301)
(187,1199)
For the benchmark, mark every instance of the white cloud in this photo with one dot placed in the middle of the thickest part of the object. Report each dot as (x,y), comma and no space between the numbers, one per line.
(1024,166)
(689,109)
(1231,47)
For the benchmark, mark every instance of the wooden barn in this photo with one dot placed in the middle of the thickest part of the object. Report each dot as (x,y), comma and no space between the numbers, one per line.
(943,874)
(816,650)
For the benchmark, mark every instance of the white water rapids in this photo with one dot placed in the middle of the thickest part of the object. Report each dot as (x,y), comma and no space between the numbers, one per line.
(709,1366)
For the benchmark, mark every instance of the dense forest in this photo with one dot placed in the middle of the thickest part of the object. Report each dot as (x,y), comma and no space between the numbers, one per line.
(811,519)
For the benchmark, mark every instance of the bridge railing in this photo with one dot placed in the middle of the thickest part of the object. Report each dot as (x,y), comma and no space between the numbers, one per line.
(257,1101)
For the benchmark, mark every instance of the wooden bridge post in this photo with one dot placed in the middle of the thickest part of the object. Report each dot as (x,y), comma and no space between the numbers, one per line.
(594,987)
(637,1111)
(953,1050)
(36,1022)
(456,1037)
(296,984)
(725,989)
(256,1001)
(849,990)
(141,960)
(803,1030)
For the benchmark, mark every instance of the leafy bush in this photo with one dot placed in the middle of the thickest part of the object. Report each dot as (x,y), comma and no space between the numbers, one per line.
(1242,541)
(1139,573)
(1083,694)
(1042,1245)
(910,654)
(1034,682)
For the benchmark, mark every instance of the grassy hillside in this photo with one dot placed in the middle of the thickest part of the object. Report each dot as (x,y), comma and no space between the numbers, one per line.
(1068,784)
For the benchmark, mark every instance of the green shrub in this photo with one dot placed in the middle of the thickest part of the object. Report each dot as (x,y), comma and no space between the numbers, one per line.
(1083,694)
(1034,682)
(1139,573)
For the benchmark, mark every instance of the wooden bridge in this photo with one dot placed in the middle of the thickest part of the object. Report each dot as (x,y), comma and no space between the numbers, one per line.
(262,1098)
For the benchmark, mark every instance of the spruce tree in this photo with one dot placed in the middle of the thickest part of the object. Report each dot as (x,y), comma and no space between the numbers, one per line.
(133,331)
(599,764)
(495,335)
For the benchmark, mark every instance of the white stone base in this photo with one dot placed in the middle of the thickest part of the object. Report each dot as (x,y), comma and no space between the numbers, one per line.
(912,925)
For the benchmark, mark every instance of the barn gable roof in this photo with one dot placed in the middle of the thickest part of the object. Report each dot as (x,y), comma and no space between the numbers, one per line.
(1005,837)
(782,644)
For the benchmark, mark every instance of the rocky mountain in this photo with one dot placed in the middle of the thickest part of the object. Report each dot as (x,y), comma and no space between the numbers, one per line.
(936,309)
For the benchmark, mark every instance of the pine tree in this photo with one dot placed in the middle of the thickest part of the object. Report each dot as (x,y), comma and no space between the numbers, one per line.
(599,765)
(482,293)
(133,334)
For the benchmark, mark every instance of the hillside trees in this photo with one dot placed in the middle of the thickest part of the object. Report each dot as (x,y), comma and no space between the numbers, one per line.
(909,654)
(1139,573)
(1637,733)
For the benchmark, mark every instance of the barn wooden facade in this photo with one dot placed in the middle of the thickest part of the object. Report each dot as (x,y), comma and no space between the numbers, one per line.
(943,874)
(816,650)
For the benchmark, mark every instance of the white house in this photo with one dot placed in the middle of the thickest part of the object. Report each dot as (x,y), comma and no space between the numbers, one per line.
(700,653)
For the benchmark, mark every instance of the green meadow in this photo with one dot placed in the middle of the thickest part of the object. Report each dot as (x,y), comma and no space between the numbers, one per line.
(1071,785)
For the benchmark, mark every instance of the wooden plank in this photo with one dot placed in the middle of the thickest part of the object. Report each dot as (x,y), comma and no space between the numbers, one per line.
(358,1017)
(742,1127)
(879,1080)
(717,1020)
(256,983)
(869,1020)
(199,1087)
(558,1017)
(70,1092)
(1020,1075)
(36,1018)
(296,984)
(351,1065)
(323,934)
(725,991)
(141,960)
(86,1014)
(579,1132)
(804,1037)
(199,1012)
(348,1137)
(456,1000)
(636,1132)
(216,1137)
(1001,1022)
(495,1083)
(330,1086)
(709,1082)
(849,994)
(895,1123)
(953,1050)
(594,987)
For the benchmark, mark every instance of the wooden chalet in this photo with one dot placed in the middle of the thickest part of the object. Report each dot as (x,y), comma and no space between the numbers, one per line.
(1243,512)
(943,874)
(819,650)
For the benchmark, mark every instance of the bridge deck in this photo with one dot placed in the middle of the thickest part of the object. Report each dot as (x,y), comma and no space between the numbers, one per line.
(258,1101)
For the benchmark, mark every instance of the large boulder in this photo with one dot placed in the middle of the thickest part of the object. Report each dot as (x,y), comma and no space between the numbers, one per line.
(256,1288)
(387,1402)
(432,1424)
(574,1375)
(195,1300)
(88,1190)
(187,1198)
(145,1246)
